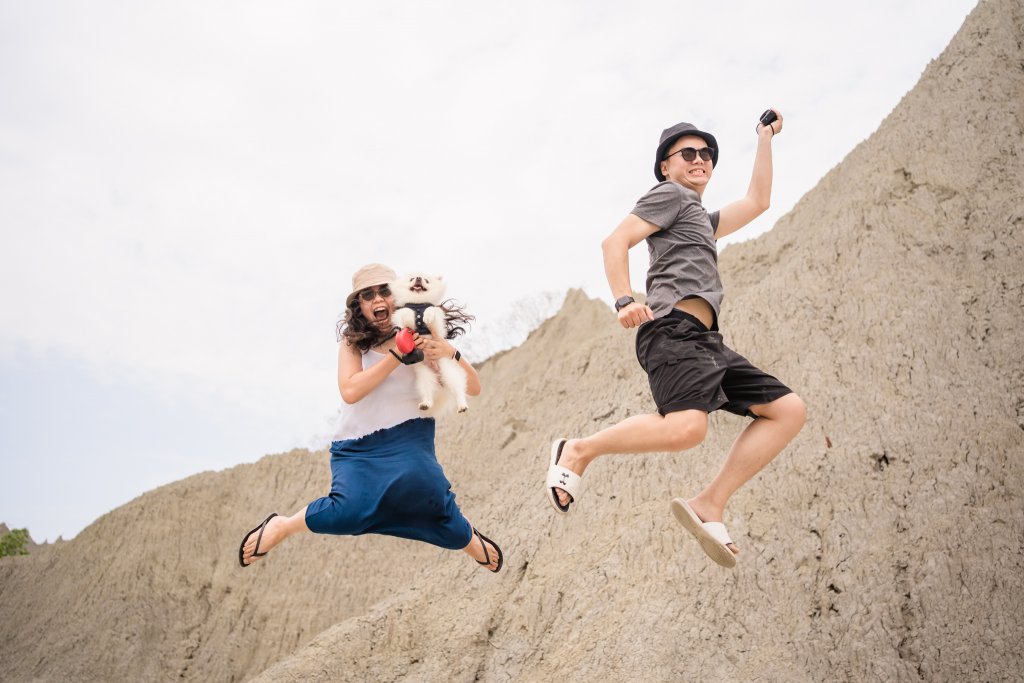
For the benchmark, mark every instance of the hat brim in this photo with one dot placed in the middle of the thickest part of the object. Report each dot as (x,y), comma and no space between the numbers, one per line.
(667,144)
(373,283)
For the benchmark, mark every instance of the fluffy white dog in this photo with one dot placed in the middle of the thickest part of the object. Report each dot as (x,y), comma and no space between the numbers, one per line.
(417,300)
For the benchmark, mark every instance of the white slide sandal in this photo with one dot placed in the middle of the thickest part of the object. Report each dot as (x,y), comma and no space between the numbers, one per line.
(712,536)
(561,477)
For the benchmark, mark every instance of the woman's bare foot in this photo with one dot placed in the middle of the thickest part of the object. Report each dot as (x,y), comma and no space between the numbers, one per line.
(483,551)
(274,531)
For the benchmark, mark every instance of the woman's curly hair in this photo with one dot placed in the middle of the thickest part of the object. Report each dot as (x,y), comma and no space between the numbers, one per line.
(364,335)
(455,317)
(357,330)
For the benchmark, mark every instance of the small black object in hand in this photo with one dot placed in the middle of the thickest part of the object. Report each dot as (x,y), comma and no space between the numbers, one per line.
(411,358)
(768,117)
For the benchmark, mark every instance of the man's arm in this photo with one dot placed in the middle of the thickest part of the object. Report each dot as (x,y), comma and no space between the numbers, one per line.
(734,216)
(631,231)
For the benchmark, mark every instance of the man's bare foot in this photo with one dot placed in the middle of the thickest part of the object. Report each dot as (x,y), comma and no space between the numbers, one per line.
(571,460)
(710,513)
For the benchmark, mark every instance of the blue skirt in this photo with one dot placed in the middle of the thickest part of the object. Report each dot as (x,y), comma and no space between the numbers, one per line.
(390,482)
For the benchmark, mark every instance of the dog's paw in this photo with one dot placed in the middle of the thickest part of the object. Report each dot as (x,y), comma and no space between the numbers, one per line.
(463,408)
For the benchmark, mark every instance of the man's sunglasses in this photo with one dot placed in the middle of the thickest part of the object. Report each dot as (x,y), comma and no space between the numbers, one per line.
(371,293)
(689,153)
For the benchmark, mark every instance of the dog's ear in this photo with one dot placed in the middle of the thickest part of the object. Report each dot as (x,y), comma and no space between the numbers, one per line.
(399,289)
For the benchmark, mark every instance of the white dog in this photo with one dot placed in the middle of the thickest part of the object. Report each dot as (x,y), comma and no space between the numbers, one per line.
(417,300)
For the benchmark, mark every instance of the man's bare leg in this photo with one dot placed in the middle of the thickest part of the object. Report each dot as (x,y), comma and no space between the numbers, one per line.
(649,433)
(764,438)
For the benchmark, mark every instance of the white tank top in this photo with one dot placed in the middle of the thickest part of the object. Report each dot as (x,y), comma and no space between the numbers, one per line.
(393,402)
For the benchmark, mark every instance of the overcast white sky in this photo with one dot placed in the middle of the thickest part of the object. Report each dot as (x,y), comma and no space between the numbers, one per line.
(187,187)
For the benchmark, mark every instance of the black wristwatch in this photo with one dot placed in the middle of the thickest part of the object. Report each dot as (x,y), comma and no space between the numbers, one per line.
(622,302)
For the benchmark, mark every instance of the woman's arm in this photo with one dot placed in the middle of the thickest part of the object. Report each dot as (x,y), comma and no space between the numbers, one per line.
(354,383)
(436,349)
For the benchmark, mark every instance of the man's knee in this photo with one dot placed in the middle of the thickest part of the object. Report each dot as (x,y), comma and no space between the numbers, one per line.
(686,429)
(796,410)
(790,409)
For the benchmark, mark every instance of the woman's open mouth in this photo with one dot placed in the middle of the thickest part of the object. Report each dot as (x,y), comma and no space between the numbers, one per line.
(381,314)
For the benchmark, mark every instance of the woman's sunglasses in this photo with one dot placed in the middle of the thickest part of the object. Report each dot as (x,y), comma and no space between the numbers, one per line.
(371,293)
(689,153)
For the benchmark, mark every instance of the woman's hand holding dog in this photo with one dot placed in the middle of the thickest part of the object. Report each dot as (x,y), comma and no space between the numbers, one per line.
(434,349)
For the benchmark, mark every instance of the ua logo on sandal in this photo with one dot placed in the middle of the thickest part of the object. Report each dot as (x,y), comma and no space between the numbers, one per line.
(564,478)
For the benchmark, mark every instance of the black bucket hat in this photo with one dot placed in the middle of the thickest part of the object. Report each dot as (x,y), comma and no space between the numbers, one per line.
(670,135)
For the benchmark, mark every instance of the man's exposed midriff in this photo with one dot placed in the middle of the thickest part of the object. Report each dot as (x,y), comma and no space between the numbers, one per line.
(699,309)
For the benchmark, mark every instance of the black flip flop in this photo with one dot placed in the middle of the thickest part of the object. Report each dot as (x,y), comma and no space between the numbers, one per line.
(256,550)
(487,556)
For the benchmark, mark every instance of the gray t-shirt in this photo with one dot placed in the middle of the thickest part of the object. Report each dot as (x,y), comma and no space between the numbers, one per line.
(684,260)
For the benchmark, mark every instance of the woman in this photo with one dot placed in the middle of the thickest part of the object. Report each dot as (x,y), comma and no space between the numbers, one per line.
(385,476)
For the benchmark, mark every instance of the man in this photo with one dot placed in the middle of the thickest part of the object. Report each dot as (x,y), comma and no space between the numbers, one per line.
(691,372)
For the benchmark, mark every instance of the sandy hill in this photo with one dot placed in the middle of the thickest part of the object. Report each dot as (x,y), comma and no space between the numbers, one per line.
(886,543)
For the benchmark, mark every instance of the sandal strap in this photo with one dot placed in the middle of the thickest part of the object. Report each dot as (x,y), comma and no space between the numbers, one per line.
(256,549)
(487,555)
(263,527)
(565,479)
(484,541)
(718,532)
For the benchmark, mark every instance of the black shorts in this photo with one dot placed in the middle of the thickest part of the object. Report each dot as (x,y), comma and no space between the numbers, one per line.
(689,367)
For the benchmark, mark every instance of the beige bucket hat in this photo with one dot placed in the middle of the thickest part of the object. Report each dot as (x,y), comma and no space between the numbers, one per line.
(372,275)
